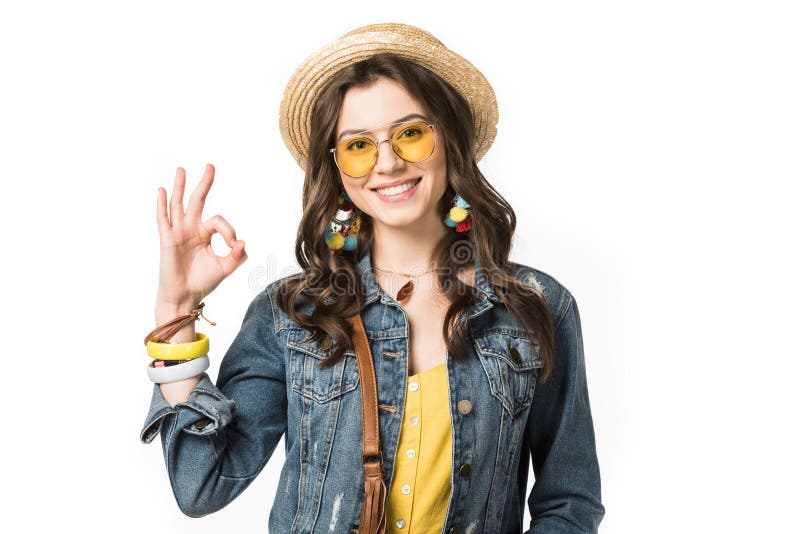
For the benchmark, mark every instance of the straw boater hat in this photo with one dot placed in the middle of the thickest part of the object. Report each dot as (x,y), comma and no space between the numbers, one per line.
(404,40)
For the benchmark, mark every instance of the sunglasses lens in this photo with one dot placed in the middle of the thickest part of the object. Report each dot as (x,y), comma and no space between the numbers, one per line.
(356,156)
(413,142)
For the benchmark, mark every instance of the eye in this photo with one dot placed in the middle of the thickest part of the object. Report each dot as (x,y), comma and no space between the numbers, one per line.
(356,145)
(411,131)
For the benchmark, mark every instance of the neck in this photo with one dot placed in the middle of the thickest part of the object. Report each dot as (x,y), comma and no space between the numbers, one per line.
(406,249)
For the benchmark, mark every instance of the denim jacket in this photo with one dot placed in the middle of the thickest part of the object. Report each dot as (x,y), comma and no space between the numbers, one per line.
(218,441)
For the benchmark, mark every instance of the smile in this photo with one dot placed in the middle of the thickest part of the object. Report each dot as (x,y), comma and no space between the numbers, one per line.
(398,189)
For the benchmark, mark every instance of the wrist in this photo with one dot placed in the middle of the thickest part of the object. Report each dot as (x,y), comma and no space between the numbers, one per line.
(167,312)
(186,334)
(180,303)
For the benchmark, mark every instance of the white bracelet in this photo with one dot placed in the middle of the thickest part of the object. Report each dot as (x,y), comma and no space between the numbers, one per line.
(173,373)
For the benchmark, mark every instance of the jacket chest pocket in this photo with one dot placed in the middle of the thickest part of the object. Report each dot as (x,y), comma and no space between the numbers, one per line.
(512,364)
(312,382)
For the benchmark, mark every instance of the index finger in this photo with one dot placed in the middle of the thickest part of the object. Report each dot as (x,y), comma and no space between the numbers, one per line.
(162,219)
(198,198)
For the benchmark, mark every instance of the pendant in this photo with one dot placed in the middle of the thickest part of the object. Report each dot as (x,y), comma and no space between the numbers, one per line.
(405,291)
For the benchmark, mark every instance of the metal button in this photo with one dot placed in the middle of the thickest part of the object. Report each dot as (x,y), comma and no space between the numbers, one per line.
(401,523)
(411,453)
(413,386)
(406,489)
(464,406)
(325,343)
(513,352)
(201,424)
(453,530)
(465,470)
(414,420)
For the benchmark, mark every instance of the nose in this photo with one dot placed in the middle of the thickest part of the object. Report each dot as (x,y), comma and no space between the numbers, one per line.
(388,162)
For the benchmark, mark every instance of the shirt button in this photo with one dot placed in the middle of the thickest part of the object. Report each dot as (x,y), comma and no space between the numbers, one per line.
(325,343)
(414,420)
(406,489)
(401,523)
(465,470)
(411,453)
(413,386)
(464,406)
(201,424)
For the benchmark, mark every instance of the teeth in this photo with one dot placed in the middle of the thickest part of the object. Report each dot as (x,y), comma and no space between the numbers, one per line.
(396,190)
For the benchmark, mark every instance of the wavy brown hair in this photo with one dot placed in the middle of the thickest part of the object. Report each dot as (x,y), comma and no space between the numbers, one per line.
(331,283)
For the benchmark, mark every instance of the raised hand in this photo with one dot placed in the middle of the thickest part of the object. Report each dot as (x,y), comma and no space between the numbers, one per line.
(189,270)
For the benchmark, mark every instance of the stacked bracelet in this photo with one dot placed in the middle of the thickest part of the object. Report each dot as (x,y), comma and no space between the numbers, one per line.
(173,373)
(177,361)
(179,351)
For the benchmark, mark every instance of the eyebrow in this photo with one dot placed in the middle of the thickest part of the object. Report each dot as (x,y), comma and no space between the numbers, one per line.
(401,119)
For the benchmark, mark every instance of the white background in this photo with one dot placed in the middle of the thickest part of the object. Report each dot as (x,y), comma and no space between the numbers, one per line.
(650,150)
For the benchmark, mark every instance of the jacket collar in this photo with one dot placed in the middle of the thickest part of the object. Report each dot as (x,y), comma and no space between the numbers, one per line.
(372,290)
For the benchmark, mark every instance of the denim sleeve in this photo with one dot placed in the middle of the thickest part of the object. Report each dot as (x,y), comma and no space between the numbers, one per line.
(216,442)
(565,498)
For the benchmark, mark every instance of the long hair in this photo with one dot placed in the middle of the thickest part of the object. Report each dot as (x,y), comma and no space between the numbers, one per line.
(330,282)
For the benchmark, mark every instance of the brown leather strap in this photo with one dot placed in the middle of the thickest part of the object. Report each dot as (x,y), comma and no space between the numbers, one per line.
(373,520)
(162,333)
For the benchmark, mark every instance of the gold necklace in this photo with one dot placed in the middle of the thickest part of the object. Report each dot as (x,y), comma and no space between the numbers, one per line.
(408,288)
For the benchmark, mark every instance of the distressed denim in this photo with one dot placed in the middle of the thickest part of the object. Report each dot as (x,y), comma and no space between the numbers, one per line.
(268,385)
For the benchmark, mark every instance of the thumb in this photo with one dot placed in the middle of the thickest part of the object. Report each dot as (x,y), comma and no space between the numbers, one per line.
(237,251)
(235,258)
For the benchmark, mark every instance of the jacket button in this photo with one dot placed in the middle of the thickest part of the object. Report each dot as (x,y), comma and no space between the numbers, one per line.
(464,406)
(453,530)
(201,424)
(325,343)
(465,470)
(513,352)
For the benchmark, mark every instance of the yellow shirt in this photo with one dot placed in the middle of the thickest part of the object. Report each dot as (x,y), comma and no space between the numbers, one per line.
(420,487)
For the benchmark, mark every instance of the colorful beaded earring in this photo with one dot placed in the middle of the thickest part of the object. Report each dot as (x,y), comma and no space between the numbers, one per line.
(458,216)
(342,232)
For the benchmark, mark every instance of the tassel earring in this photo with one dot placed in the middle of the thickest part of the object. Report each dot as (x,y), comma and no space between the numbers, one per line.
(458,216)
(342,232)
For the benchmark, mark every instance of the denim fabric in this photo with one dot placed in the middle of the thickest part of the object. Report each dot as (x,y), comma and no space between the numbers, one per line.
(217,442)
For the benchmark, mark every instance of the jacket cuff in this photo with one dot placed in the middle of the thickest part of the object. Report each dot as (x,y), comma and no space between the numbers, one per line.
(206,411)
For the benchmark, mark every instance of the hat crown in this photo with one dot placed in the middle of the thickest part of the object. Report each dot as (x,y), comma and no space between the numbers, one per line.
(404,40)
(393,30)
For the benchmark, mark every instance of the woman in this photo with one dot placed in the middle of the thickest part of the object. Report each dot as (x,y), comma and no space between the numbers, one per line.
(478,360)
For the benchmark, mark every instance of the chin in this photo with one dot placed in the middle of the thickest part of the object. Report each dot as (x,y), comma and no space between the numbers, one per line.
(399,220)
(395,222)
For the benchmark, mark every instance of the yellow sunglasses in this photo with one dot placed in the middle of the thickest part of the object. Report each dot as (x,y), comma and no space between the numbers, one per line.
(413,141)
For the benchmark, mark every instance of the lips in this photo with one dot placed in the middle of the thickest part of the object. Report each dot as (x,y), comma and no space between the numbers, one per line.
(396,182)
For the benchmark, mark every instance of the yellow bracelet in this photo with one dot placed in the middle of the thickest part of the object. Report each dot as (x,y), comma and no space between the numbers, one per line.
(179,351)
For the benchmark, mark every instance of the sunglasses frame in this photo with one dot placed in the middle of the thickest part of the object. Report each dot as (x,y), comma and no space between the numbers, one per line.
(378,144)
